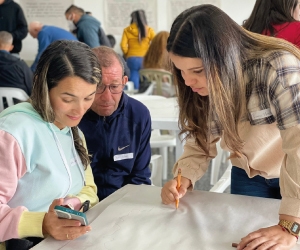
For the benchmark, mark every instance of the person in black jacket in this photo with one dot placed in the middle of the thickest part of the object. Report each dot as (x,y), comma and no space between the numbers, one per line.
(12,20)
(13,72)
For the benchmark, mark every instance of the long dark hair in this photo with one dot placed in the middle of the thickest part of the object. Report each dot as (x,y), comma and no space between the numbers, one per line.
(267,13)
(63,59)
(224,47)
(139,17)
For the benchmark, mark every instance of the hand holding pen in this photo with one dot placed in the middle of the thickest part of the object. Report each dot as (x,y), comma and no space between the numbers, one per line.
(170,193)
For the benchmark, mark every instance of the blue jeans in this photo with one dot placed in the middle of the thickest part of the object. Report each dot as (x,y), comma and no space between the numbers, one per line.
(135,63)
(256,186)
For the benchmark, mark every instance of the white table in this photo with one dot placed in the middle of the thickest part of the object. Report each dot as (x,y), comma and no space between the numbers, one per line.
(164,115)
(134,218)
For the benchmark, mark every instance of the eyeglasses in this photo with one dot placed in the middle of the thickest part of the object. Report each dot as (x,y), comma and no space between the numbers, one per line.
(113,88)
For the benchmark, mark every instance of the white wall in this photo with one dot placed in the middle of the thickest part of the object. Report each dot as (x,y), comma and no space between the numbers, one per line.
(238,10)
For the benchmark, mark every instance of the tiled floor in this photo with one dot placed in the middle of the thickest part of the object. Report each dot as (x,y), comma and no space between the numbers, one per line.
(202,184)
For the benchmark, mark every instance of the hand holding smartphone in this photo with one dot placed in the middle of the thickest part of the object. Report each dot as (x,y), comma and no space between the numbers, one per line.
(67,213)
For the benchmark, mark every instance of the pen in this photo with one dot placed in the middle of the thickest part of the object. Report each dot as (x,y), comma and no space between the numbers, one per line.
(178,185)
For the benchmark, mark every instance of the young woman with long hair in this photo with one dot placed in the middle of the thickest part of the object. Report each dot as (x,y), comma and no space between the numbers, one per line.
(242,88)
(135,42)
(43,156)
(278,18)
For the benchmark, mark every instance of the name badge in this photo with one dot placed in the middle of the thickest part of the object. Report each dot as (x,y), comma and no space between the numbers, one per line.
(123,157)
(261,114)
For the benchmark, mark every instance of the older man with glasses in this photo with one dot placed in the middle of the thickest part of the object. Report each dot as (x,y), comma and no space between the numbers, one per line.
(117,130)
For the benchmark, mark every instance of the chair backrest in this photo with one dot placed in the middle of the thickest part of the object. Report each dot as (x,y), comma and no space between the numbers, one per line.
(156,76)
(220,184)
(7,95)
(149,90)
(156,170)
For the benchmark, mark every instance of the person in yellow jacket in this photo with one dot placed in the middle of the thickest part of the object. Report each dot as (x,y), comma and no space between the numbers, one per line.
(135,42)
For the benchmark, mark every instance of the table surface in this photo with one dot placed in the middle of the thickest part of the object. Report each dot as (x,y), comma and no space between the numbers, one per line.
(134,218)
(161,108)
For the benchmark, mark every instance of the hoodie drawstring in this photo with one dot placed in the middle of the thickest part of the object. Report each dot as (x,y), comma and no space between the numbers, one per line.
(65,160)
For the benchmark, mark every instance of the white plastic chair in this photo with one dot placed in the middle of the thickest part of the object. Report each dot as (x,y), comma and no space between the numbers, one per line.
(149,90)
(162,142)
(156,77)
(8,95)
(223,182)
(158,140)
(222,158)
(156,170)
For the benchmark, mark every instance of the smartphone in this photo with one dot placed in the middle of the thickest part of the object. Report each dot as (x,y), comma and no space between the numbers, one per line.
(67,213)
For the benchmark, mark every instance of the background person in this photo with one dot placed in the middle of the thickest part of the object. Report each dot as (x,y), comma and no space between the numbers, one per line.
(14,72)
(242,87)
(117,130)
(87,26)
(104,41)
(157,57)
(279,18)
(135,42)
(112,40)
(14,22)
(43,158)
(46,35)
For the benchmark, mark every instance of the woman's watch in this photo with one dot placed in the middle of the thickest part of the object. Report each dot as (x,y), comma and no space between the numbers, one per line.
(291,226)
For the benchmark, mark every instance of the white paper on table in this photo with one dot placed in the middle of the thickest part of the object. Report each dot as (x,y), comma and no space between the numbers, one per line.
(204,220)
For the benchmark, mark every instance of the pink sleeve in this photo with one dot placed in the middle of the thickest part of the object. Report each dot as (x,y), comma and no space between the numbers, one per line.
(12,168)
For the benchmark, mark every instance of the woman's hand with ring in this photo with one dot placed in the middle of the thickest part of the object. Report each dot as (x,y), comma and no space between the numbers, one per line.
(62,229)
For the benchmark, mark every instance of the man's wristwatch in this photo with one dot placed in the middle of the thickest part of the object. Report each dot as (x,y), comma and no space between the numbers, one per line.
(292,227)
